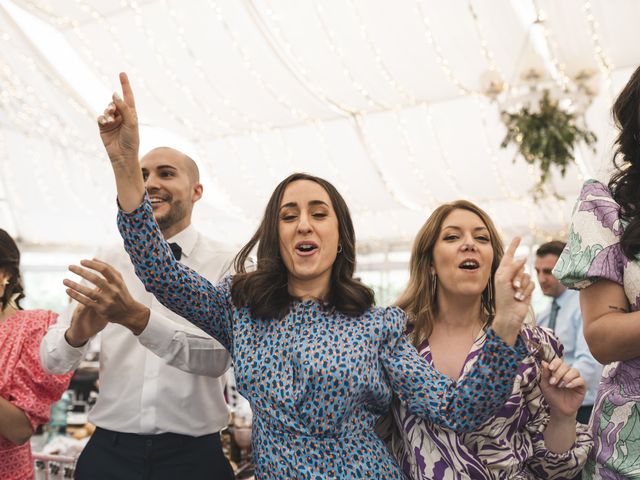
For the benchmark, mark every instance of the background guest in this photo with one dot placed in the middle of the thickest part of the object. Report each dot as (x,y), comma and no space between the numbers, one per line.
(156,369)
(26,390)
(602,260)
(564,318)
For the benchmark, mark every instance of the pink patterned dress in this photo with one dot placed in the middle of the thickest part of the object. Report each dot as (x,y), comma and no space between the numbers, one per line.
(25,384)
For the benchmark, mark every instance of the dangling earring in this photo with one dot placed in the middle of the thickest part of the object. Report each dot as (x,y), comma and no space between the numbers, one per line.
(339,248)
(434,287)
(490,306)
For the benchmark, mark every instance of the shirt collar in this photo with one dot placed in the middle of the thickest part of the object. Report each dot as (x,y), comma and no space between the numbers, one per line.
(186,238)
(564,297)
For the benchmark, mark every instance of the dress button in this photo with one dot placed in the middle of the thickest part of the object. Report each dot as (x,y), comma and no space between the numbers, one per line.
(149,443)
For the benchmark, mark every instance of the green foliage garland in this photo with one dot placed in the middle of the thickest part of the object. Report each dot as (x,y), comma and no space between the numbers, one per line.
(547,137)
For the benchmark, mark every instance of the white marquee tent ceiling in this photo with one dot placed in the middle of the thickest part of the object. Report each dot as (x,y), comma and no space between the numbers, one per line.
(383,98)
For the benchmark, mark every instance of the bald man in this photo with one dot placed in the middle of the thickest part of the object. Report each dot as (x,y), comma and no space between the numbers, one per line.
(161,406)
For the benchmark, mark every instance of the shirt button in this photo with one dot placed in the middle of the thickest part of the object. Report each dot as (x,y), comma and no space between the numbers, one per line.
(149,443)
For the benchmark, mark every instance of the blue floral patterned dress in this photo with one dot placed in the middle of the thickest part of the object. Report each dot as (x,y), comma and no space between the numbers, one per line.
(593,252)
(317,379)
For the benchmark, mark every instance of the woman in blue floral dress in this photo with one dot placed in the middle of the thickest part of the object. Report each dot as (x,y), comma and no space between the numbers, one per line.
(315,359)
(602,258)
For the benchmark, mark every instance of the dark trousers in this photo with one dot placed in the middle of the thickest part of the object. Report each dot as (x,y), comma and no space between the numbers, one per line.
(167,456)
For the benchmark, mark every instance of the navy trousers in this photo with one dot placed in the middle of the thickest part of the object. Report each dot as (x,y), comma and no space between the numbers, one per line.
(168,456)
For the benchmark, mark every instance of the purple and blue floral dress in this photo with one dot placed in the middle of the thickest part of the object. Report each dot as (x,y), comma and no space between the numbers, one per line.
(508,446)
(593,252)
(317,380)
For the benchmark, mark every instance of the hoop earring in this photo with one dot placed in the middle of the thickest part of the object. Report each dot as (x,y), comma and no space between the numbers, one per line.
(339,248)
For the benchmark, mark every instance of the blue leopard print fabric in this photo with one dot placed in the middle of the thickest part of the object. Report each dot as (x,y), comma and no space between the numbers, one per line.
(317,379)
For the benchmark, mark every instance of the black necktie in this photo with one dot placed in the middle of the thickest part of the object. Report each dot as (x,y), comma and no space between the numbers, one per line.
(176,249)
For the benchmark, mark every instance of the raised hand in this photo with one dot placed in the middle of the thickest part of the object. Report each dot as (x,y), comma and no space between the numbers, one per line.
(119,133)
(119,125)
(109,299)
(562,387)
(513,288)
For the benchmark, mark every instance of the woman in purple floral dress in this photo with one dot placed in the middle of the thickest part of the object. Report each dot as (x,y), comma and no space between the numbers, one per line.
(451,303)
(602,258)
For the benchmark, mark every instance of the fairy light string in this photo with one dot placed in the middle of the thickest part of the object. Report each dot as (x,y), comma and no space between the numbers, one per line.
(605,65)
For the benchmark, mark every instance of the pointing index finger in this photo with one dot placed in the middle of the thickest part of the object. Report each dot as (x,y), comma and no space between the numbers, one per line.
(127,92)
(511,249)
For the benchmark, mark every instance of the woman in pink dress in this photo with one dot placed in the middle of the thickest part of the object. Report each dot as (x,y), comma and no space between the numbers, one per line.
(26,391)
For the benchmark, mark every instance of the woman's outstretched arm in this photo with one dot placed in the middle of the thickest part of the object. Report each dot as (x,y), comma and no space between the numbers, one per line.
(119,133)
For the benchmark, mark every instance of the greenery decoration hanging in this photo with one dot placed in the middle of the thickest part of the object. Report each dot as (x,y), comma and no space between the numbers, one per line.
(546,136)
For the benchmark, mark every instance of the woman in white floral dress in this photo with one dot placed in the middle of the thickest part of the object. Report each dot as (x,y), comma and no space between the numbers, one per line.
(602,258)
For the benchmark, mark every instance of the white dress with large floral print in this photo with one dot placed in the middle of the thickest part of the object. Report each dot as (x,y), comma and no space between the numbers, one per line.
(593,252)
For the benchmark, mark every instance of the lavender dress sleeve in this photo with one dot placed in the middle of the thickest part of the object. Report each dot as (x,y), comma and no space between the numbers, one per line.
(593,249)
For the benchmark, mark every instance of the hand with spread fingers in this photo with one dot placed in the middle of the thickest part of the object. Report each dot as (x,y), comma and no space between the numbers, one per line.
(120,136)
(513,288)
(108,301)
(563,388)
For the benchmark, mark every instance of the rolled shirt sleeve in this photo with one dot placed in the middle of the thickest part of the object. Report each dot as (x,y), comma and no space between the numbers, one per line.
(190,351)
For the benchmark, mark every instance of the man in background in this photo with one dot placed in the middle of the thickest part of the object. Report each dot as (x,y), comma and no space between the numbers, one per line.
(564,317)
(161,406)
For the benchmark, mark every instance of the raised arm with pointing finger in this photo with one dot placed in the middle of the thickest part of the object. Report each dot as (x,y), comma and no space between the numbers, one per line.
(119,133)
(156,368)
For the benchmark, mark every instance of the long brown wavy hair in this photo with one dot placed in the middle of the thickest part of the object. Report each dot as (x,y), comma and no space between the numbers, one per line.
(419,299)
(625,183)
(265,290)
(10,264)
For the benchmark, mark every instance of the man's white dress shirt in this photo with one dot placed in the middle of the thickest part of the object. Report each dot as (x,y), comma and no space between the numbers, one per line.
(170,377)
